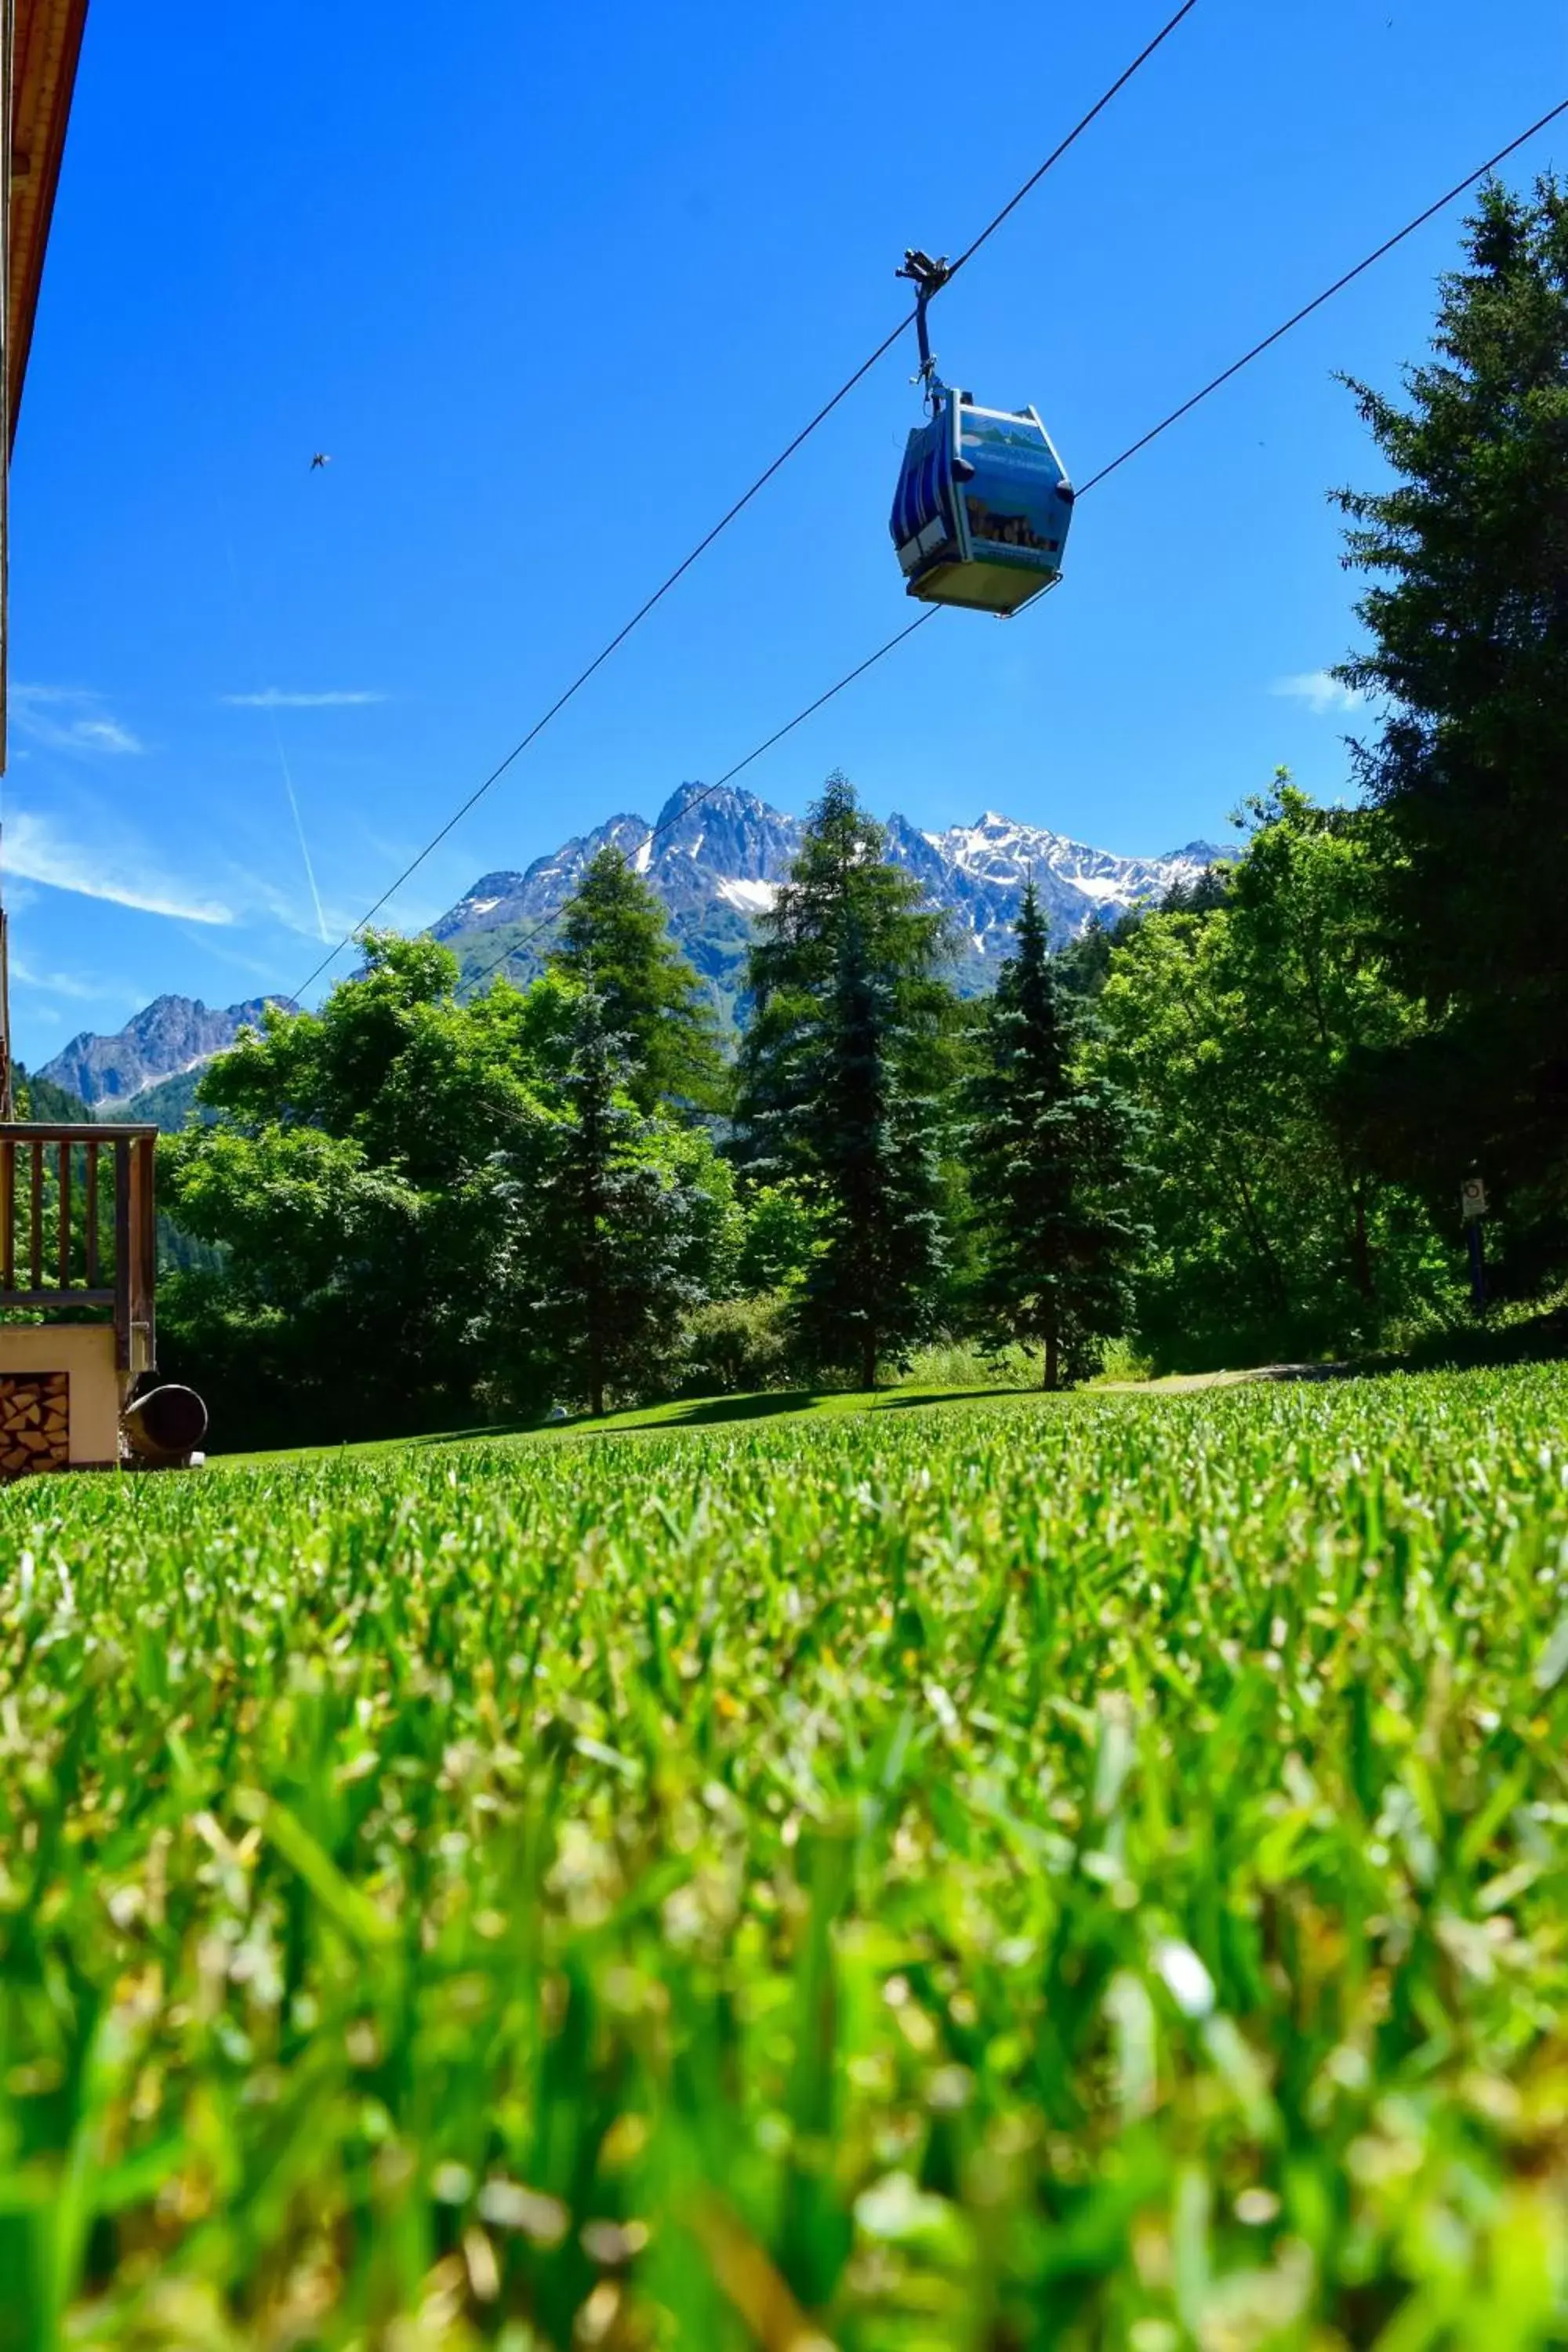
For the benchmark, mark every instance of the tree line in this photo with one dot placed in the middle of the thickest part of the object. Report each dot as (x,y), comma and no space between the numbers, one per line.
(569,1192)
(1228,1126)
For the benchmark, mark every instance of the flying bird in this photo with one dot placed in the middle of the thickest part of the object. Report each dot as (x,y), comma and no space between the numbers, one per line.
(320,458)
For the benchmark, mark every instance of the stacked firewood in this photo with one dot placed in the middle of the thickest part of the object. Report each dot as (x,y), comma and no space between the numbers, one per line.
(34,1423)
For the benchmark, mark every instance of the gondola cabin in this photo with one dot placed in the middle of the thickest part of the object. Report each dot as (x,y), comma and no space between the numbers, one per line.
(983,507)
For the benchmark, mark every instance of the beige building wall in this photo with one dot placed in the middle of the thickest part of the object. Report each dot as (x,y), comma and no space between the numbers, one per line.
(85,1353)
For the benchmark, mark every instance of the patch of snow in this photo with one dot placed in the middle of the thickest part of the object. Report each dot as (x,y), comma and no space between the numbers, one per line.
(967,844)
(644,857)
(181,1070)
(752,898)
(996,848)
(482,906)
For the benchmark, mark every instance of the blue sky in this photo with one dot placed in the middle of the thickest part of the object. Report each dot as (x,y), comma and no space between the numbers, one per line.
(550,285)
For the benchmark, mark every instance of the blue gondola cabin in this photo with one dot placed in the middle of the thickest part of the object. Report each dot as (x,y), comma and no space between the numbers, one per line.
(983,507)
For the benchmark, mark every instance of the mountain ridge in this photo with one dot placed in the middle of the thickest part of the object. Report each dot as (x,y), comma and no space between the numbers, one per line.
(166,1038)
(715,859)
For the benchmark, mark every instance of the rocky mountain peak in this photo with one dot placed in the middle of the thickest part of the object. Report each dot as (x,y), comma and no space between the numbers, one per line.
(172,1034)
(717,857)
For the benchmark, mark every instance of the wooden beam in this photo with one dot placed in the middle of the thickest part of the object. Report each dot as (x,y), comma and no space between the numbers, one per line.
(7,1213)
(63,1150)
(102,1296)
(109,1131)
(144,1337)
(91,1213)
(122,1247)
(36,1216)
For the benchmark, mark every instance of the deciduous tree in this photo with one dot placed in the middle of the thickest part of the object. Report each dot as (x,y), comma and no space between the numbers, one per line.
(1237,1034)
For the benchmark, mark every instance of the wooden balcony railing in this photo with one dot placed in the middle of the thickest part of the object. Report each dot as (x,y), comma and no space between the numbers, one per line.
(78,1227)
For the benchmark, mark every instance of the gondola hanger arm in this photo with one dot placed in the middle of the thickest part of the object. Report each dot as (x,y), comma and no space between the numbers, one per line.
(928,278)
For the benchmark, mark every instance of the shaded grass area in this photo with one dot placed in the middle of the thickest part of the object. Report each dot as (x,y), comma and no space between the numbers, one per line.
(1512,1331)
(1080,1872)
(1511,1334)
(679,1412)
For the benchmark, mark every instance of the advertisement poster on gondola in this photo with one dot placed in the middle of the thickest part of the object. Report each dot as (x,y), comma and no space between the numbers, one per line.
(1014,513)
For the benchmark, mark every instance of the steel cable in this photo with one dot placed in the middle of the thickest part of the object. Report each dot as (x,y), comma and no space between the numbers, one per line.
(745,500)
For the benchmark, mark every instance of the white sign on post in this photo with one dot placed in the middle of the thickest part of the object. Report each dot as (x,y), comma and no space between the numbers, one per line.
(1473,1198)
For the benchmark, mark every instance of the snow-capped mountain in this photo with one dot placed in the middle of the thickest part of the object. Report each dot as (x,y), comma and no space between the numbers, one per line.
(716,861)
(729,850)
(977,872)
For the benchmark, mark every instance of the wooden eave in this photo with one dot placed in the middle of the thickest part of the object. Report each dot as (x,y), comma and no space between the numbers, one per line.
(46,45)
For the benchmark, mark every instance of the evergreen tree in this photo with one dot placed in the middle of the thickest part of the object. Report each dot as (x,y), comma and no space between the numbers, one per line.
(613,1227)
(1083,964)
(40,1099)
(1050,1169)
(842,1074)
(1208,889)
(614,937)
(871,1291)
(839,880)
(1469,629)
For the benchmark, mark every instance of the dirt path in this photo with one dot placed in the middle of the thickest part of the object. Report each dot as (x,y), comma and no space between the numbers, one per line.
(1175,1384)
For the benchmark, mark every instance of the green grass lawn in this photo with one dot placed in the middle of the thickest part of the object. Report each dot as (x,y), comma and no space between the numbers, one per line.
(1028,1873)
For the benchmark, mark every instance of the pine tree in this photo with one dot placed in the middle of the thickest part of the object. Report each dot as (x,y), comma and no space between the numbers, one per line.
(1468,630)
(1048,1164)
(839,878)
(613,1228)
(870,1292)
(614,935)
(842,1074)
(1083,965)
